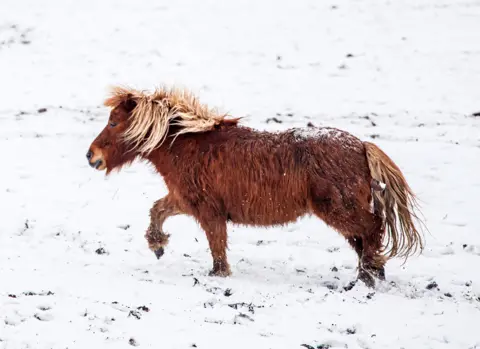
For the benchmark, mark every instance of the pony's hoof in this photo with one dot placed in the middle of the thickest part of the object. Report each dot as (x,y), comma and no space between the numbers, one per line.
(381,274)
(366,278)
(159,252)
(220,273)
(224,272)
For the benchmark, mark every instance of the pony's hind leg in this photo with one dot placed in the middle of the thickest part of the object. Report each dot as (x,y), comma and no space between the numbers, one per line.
(372,262)
(156,237)
(366,240)
(362,229)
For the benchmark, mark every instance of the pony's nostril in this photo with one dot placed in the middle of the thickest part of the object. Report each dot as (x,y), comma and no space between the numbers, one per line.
(89,155)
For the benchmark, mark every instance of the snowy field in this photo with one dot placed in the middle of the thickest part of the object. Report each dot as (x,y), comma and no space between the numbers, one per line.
(75,269)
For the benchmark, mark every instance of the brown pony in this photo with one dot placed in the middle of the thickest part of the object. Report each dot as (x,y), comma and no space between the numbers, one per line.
(218,171)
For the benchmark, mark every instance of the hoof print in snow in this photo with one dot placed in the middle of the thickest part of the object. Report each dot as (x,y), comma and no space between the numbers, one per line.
(334,269)
(210,304)
(476,114)
(351,331)
(239,318)
(349,55)
(136,314)
(124,226)
(213,321)
(278,121)
(143,308)
(432,285)
(448,294)
(133,342)
(30,293)
(330,285)
(309,124)
(228,292)
(13,35)
(100,251)
(26,226)
(370,295)
(42,110)
(43,317)
(214,290)
(250,306)
(367,117)
(350,285)
(12,296)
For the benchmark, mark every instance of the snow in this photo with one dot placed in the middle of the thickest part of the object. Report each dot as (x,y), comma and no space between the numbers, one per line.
(326,134)
(75,269)
(302,133)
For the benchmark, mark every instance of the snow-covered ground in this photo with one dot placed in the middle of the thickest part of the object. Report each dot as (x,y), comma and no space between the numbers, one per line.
(75,270)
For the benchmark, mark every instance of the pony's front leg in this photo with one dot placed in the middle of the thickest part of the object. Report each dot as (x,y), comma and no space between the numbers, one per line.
(216,231)
(156,237)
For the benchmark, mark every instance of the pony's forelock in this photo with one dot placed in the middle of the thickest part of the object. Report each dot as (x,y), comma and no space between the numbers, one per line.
(119,95)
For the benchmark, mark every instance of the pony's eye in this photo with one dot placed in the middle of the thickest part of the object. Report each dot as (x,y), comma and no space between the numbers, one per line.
(113,124)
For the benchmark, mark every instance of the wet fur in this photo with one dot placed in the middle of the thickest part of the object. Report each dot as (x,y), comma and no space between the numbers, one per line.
(231,173)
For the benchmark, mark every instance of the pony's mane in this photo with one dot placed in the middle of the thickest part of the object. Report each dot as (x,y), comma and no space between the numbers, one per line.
(155,112)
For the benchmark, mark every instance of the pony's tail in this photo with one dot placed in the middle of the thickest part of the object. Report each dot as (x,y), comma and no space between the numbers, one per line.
(396,202)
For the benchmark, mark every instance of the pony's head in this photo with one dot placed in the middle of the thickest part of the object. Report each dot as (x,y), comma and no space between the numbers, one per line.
(110,149)
(139,123)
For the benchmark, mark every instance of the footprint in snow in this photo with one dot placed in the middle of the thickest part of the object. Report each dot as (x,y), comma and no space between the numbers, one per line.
(43,316)
(473,249)
(44,307)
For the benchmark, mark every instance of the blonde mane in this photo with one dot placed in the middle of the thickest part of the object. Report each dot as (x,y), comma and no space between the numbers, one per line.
(155,112)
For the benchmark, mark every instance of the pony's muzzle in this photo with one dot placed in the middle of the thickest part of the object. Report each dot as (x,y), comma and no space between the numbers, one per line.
(95,160)
(96,164)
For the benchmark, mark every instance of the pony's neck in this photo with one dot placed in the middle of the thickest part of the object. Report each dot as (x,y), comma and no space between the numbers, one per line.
(164,159)
(169,158)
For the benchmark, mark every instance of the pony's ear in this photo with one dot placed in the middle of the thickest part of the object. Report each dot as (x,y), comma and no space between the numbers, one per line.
(129,104)
(122,96)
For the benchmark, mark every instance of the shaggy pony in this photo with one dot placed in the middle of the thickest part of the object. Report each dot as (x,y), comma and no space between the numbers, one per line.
(217,171)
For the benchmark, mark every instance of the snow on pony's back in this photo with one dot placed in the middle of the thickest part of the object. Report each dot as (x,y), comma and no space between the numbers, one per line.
(327,134)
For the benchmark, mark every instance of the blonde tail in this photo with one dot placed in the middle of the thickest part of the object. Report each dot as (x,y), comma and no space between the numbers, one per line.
(396,202)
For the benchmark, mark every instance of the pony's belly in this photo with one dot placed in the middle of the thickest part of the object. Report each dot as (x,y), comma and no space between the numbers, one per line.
(265,214)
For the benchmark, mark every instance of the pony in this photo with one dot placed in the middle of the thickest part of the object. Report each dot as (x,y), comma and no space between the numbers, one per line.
(219,171)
